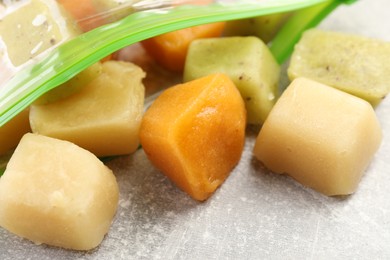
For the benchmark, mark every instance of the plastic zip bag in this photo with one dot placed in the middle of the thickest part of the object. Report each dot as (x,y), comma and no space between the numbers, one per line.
(46,24)
(149,18)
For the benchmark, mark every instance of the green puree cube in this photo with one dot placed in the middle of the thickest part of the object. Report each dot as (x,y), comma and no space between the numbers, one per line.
(354,64)
(247,61)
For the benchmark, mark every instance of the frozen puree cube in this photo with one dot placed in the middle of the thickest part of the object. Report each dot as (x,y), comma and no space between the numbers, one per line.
(103,117)
(322,137)
(195,133)
(354,64)
(57,193)
(249,64)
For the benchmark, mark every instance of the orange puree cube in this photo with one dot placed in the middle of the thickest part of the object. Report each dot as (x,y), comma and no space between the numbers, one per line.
(194,133)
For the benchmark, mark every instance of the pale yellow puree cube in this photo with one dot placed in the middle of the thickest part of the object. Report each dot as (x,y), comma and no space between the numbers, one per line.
(352,63)
(104,117)
(57,193)
(322,137)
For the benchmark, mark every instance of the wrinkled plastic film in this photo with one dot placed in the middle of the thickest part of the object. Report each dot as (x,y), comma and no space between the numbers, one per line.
(63,61)
(54,23)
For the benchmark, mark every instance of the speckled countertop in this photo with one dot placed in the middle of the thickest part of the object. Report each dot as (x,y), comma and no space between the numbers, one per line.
(255,214)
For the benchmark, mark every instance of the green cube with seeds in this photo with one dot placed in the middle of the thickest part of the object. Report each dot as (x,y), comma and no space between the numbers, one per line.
(247,61)
(354,64)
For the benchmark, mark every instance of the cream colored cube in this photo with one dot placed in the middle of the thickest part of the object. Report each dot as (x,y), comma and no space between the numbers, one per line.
(322,137)
(104,117)
(57,193)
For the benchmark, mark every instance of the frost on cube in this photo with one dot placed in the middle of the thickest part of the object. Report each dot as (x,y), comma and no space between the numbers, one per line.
(322,137)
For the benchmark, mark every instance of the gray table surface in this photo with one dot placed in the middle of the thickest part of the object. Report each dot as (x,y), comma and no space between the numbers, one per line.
(255,214)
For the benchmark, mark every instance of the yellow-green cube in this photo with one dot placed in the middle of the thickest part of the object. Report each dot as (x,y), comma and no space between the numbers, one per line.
(247,61)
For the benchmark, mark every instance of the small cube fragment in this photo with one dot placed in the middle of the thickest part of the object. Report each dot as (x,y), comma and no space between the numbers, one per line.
(249,64)
(13,130)
(103,117)
(265,27)
(354,64)
(57,193)
(322,137)
(194,133)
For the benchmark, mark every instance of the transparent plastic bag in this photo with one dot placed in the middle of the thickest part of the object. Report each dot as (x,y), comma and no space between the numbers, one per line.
(115,27)
(46,24)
